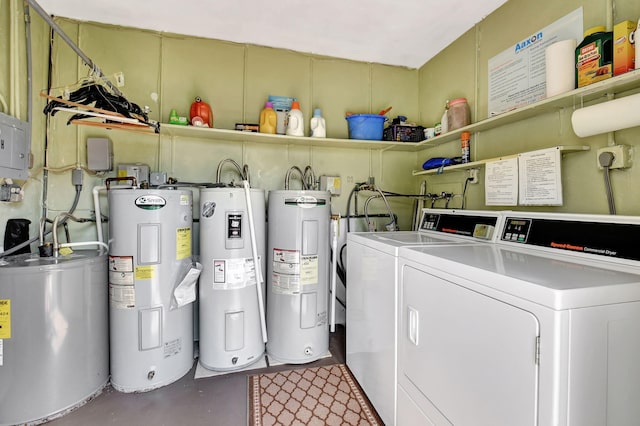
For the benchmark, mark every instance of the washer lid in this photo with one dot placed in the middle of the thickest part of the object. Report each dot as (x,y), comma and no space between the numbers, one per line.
(555,280)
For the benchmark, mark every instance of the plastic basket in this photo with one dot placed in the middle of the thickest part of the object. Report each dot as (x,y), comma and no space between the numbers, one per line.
(366,126)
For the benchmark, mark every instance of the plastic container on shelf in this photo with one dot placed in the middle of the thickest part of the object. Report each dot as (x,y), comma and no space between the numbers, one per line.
(318,125)
(594,56)
(458,114)
(268,119)
(366,126)
(200,113)
(295,120)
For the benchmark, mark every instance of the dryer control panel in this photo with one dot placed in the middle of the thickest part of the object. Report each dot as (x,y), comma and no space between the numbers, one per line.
(608,236)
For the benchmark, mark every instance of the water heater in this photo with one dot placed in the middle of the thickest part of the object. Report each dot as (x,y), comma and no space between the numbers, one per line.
(230,325)
(54,334)
(298,275)
(150,252)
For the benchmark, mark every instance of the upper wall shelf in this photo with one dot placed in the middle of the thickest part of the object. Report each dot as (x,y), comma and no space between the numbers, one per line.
(238,136)
(574,98)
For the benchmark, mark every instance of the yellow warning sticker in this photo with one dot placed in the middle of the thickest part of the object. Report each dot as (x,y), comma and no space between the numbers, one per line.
(183,243)
(5,319)
(145,272)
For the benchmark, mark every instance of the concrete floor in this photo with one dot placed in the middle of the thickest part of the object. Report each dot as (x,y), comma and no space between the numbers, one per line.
(220,400)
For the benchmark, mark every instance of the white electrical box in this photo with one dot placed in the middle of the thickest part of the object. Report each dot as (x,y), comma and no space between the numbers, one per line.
(333,184)
(99,154)
(15,144)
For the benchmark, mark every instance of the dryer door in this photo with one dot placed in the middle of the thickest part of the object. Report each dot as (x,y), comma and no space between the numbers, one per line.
(473,357)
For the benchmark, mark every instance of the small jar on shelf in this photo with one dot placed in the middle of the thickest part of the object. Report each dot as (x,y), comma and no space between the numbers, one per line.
(458,114)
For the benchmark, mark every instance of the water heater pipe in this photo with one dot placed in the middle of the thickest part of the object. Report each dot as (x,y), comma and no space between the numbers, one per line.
(96,206)
(335,220)
(256,260)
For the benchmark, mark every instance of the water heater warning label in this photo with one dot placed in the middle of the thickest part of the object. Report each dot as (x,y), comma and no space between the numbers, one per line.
(5,319)
(285,277)
(122,292)
(183,243)
(230,274)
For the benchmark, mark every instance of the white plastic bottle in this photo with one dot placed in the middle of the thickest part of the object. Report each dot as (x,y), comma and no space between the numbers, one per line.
(444,122)
(295,120)
(318,125)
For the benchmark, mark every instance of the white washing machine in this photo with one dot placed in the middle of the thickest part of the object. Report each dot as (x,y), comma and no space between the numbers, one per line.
(372,290)
(540,328)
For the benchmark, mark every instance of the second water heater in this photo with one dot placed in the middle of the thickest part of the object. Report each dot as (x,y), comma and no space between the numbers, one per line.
(298,275)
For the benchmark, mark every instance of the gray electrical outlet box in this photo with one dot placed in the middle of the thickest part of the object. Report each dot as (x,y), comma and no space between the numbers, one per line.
(99,154)
(15,144)
(333,184)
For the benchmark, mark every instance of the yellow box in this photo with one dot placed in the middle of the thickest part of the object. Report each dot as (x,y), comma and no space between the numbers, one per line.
(623,49)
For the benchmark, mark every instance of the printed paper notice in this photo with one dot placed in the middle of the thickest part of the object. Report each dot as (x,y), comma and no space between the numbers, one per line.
(517,75)
(501,182)
(540,178)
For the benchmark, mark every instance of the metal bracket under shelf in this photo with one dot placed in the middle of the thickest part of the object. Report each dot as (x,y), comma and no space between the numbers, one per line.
(477,164)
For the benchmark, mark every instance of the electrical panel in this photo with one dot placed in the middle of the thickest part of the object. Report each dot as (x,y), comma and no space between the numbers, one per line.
(15,145)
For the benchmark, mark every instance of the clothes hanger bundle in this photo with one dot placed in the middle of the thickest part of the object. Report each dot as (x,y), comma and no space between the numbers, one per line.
(92,98)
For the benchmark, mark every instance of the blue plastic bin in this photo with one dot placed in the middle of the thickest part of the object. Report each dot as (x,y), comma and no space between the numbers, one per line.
(366,126)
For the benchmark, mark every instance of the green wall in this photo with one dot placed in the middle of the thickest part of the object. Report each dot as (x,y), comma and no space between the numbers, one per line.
(166,71)
(461,70)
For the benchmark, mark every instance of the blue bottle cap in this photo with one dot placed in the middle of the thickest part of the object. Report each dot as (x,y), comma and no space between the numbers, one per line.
(317,112)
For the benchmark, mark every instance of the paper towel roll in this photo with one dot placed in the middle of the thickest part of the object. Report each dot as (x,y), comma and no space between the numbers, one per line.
(560,63)
(607,116)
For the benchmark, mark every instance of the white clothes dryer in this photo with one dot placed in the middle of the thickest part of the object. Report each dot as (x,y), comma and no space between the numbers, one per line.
(372,293)
(541,328)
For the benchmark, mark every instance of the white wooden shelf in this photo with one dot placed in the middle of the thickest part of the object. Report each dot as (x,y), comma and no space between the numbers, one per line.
(175,130)
(575,99)
(477,164)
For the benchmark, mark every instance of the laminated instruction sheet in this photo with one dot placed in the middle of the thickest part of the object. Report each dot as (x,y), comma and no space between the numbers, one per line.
(528,179)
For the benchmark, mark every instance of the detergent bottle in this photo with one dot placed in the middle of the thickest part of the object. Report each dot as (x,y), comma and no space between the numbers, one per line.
(295,120)
(268,119)
(200,113)
(318,125)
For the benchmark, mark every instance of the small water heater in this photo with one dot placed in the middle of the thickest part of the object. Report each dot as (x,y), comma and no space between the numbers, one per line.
(230,323)
(54,334)
(149,255)
(298,275)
